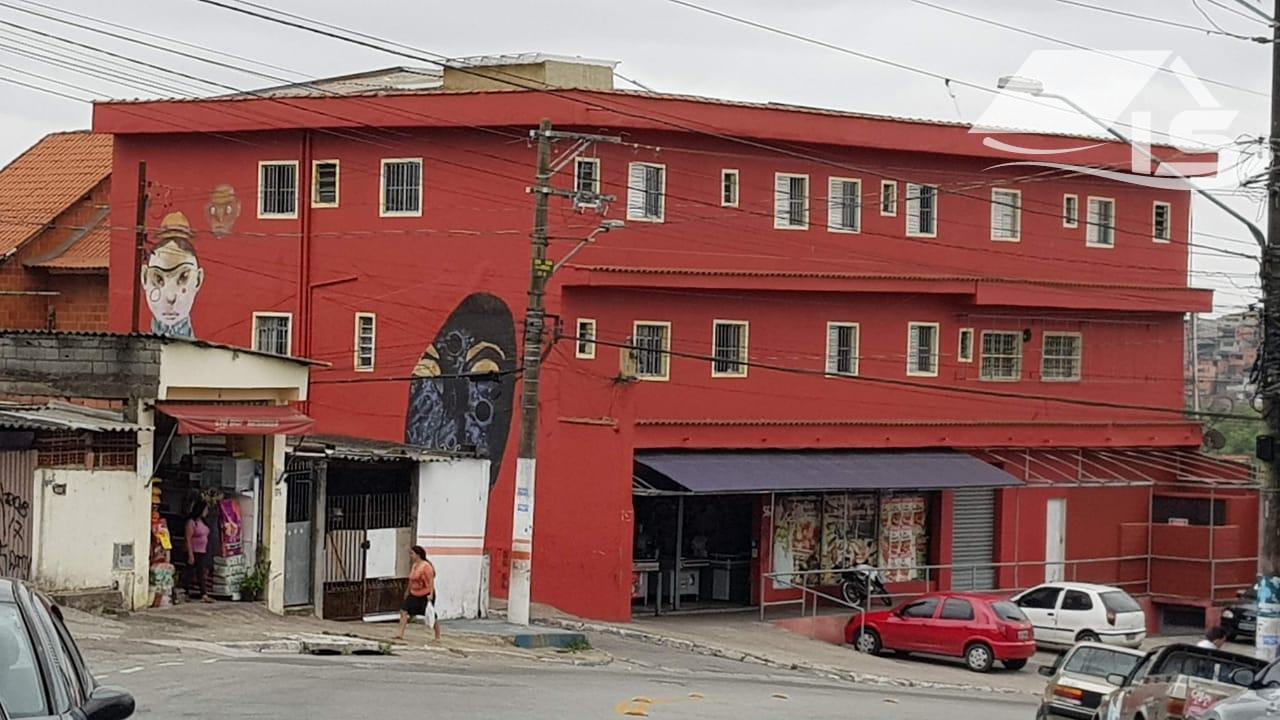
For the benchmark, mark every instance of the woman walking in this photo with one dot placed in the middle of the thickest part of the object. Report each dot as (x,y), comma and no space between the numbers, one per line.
(420,597)
(199,560)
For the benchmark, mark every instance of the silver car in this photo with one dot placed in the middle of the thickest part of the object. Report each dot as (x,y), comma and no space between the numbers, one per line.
(1078,679)
(1261,700)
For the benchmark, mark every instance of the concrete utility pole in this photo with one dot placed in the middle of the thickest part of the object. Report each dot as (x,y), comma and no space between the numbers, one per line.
(1269,378)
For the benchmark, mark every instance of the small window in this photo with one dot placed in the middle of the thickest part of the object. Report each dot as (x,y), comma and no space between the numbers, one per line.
(1060,357)
(586,181)
(844,205)
(921,608)
(842,349)
(1070,211)
(652,342)
(889,198)
(402,187)
(1001,356)
(1160,222)
(646,192)
(324,184)
(1102,223)
(1045,598)
(1006,215)
(964,353)
(365,341)
(790,201)
(922,349)
(584,347)
(272,333)
(729,348)
(956,609)
(922,210)
(729,188)
(1076,600)
(278,189)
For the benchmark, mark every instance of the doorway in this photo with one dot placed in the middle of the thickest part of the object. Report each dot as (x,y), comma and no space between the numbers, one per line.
(1055,540)
(369,520)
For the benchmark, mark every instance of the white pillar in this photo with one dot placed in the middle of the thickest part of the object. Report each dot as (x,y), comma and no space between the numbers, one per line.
(139,596)
(276,492)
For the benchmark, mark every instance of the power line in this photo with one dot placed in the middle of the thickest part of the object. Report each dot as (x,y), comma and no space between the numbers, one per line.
(1163,21)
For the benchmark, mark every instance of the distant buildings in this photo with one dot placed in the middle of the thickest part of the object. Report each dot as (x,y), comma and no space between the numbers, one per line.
(1221,363)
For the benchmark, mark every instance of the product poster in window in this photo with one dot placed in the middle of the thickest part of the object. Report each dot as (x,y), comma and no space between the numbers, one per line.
(848,531)
(795,538)
(902,537)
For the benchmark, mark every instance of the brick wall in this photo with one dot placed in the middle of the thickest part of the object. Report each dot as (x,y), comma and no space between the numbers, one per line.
(87,366)
(81,305)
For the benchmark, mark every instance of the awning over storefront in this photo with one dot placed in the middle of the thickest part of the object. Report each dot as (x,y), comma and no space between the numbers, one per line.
(764,471)
(237,419)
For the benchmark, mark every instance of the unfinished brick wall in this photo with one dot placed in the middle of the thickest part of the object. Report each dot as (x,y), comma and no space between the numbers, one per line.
(66,365)
(81,303)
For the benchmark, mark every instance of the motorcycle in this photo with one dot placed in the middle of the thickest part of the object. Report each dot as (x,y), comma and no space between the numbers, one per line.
(857,580)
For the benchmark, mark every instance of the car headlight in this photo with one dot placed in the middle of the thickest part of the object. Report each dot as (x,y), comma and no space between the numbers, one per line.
(1228,614)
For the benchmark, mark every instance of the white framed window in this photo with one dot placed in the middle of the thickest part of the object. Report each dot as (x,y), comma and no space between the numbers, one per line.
(584,347)
(586,181)
(1001,356)
(1161,222)
(1061,356)
(324,183)
(889,198)
(844,205)
(278,189)
(401,187)
(652,341)
(922,349)
(273,332)
(922,210)
(729,348)
(1070,211)
(1006,215)
(842,348)
(790,201)
(729,187)
(365,343)
(1101,231)
(646,192)
(964,349)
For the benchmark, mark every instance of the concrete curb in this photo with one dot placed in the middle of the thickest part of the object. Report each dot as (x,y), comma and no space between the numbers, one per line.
(823,671)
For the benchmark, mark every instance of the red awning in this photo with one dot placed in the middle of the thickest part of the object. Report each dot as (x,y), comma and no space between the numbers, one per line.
(237,419)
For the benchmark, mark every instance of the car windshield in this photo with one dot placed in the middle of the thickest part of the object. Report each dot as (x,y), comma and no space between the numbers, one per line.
(1202,666)
(1006,610)
(1101,662)
(1118,601)
(20,688)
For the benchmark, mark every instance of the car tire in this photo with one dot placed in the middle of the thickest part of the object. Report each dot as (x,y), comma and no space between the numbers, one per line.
(1088,636)
(868,641)
(1014,665)
(979,658)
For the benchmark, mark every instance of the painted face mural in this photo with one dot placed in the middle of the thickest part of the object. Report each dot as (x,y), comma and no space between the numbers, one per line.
(458,413)
(172,277)
(222,210)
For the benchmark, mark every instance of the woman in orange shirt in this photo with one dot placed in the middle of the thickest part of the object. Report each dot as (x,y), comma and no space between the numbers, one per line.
(420,597)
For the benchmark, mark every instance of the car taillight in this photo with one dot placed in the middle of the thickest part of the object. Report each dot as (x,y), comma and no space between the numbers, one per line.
(1111,617)
(1069,693)
(1174,707)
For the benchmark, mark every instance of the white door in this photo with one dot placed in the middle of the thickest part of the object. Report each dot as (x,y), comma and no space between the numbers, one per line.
(1055,540)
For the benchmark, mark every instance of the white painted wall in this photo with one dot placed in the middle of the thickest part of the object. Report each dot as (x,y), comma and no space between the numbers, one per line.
(453,499)
(189,371)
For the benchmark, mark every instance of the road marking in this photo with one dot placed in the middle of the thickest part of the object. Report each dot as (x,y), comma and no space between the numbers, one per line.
(211,661)
(169,664)
(781,696)
(132,670)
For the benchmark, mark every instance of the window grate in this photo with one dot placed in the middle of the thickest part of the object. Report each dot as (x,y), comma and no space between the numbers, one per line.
(842,349)
(729,348)
(1061,357)
(271,334)
(797,201)
(586,180)
(1161,231)
(585,348)
(651,341)
(1001,356)
(326,184)
(729,188)
(1102,222)
(845,198)
(278,189)
(365,337)
(922,349)
(93,450)
(888,198)
(646,185)
(1070,211)
(402,187)
(1006,214)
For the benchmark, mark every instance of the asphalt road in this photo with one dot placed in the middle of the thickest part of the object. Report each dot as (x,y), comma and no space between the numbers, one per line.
(197,682)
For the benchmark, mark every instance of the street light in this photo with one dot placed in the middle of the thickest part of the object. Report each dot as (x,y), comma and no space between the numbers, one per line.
(605,226)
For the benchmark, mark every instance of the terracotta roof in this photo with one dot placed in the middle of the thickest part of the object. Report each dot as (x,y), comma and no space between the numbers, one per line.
(46,180)
(88,250)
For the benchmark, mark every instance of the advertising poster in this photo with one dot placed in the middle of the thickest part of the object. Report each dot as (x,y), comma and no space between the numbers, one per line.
(795,537)
(848,531)
(1267,634)
(902,537)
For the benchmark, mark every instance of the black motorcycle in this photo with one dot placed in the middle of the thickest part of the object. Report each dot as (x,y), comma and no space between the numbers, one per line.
(857,580)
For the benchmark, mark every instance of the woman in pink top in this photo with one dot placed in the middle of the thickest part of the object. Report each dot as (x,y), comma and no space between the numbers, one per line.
(199,560)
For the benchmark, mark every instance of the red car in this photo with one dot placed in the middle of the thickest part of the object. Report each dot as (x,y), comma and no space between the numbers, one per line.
(979,628)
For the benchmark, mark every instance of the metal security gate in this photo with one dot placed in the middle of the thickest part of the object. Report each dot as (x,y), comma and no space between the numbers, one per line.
(298,557)
(973,517)
(17,481)
(365,537)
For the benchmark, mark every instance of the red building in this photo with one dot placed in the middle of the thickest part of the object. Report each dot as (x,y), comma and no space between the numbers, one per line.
(821,336)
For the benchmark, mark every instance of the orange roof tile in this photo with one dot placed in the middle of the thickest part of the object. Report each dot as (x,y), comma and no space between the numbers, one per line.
(46,180)
(90,250)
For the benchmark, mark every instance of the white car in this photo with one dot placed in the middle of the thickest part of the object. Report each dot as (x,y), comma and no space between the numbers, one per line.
(1065,613)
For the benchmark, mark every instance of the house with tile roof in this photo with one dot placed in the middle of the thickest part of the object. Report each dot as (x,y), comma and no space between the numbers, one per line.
(54,234)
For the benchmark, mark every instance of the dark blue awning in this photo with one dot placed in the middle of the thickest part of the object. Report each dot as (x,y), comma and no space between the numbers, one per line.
(768,471)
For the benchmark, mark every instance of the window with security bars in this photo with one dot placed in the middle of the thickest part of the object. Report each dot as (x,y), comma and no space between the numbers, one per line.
(888,197)
(646,192)
(366,338)
(1006,215)
(1102,223)
(1001,355)
(844,209)
(402,187)
(842,348)
(93,450)
(922,349)
(791,201)
(964,353)
(1060,358)
(271,333)
(729,348)
(922,210)
(652,342)
(278,189)
(324,183)
(1160,222)
(586,180)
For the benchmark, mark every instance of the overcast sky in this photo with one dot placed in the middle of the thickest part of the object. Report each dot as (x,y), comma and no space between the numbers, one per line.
(672,48)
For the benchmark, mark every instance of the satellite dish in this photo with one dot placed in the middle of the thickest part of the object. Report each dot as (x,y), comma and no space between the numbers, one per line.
(1214,439)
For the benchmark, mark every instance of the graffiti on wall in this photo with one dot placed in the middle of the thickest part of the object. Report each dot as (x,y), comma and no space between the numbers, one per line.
(14,543)
(172,277)
(460,398)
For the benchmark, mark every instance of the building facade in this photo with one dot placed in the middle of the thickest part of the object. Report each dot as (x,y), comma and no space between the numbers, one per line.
(821,337)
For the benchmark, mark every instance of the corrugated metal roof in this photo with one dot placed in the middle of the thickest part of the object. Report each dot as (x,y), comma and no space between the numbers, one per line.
(89,249)
(365,449)
(59,415)
(47,179)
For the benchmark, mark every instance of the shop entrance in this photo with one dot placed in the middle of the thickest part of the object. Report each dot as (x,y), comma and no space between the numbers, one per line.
(369,519)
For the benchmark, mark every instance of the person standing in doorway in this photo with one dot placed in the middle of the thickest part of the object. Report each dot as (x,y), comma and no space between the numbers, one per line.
(420,597)
(199,560)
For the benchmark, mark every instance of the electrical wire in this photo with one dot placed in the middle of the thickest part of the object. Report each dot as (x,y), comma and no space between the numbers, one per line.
(1163,21)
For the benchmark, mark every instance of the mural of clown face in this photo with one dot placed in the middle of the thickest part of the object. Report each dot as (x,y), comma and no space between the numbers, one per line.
(460,413)
(171,278)
(222,210)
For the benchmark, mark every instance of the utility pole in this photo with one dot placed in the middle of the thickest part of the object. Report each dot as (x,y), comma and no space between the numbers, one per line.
(1269,378)
(139,245)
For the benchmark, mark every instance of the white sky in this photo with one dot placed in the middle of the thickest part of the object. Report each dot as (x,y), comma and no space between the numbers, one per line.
(676,49)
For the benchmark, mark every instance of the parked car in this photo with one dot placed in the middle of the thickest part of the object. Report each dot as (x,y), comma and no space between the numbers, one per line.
(1241,619)
(981,629)
(1178,681)
(1064,614)
(1078,679)
(1261,700)
(42,673)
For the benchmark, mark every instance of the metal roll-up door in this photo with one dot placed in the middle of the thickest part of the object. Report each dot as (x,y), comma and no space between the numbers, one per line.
(973,535)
